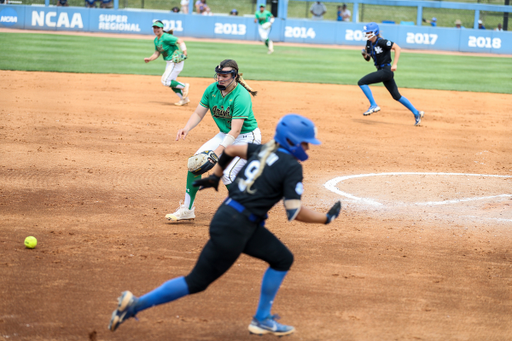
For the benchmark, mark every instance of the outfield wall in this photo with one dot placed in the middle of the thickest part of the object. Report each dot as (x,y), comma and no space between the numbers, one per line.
(244,28)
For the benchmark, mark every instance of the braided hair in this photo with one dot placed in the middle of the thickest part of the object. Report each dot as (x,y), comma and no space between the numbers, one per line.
(238,78)
(268,148)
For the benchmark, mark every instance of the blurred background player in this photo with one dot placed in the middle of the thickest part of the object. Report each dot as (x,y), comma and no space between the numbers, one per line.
(265,19)
(379,49)
(273,172)
(229,102)
(174,52)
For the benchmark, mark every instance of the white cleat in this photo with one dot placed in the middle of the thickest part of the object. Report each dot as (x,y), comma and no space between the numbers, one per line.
(183,101)
(182,213)
(185,90)
(270,47)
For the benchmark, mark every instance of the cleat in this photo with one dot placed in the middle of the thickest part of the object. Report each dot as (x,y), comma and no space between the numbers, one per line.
(371,110)
(269,326)
(182,213)
(183,101)
(419,117)
(125,310)
(270,47)
(185,90)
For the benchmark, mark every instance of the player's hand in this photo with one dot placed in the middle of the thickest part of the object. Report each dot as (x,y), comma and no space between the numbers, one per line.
(211,181)
(182,133)
(334,212)
(147,60)
(394,67)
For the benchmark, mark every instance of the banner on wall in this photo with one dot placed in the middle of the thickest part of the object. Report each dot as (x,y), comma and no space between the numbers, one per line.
(244,28)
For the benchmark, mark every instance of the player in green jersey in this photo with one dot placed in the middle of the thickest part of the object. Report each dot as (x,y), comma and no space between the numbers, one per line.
(174,52)
(265,19)
(229,102)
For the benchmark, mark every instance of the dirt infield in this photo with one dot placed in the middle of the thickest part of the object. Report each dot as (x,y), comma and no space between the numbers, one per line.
(89,166)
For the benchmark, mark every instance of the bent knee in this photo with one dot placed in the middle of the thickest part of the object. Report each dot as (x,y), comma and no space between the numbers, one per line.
(195,286)
(361,82)
(284,263)
(396,97)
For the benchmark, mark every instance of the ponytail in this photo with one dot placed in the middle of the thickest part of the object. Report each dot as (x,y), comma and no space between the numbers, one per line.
(268,148)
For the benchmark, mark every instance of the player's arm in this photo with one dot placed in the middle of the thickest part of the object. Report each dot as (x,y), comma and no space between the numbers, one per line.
(365,54)
(307,215)
(397,49)
(229,139)
(153,57)
(193,121)
(182,46)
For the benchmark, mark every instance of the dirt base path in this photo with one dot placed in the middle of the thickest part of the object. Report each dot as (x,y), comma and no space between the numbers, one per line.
(89,166)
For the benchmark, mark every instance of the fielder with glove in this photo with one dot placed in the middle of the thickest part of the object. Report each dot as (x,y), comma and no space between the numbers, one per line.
(229,102)
(265,19)
(174,52)
(273,172)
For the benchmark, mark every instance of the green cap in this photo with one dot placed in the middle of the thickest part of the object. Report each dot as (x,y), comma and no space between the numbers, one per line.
(158,24)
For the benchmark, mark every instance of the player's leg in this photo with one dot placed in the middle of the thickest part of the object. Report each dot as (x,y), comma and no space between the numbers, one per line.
(393,90)
(228,236)
(267,247)
(229,233)
(186,210)
(237,164)
(371,78)
(169,77)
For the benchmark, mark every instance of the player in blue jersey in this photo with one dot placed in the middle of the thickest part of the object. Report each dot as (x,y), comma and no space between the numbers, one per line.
(272,173)
(379,49)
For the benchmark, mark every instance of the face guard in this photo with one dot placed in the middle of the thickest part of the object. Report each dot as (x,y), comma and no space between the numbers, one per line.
(219,71)
(371,30)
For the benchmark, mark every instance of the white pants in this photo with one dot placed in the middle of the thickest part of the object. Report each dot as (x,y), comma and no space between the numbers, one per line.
(234,167)
(172,71)
(263,32)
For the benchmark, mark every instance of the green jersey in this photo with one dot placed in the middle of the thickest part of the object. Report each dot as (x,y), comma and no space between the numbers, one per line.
(166,45)
(235,105)
(263,17)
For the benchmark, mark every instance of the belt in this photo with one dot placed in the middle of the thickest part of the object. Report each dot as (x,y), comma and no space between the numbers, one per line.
(241,209)
(382,65)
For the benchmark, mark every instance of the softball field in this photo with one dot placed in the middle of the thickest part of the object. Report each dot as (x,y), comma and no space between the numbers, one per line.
(90,166)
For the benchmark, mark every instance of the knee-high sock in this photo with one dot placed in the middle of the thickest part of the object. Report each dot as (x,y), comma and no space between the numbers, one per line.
(227,186)
(266,43)
(176,84)
(368,93)
(167,292)
(190,196)
(269,286)
(408,105)
(178,92)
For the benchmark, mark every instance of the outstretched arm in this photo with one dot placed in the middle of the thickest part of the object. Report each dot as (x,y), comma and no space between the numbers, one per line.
(153,57)
(307,215)
(193,121)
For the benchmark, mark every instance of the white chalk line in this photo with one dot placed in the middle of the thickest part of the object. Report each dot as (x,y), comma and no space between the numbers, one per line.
(331,185)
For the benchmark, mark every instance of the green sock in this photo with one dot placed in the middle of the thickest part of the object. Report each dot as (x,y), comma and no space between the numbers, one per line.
(191,190)
(176,84)
(178,91)
(266,43)
(227,186)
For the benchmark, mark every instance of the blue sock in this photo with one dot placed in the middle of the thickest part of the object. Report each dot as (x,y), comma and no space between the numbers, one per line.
(368,93)
(167,292)
(408,105)
(269,286)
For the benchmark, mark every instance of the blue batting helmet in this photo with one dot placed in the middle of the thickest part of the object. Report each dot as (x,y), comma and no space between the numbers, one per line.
(371,27)
(294,129)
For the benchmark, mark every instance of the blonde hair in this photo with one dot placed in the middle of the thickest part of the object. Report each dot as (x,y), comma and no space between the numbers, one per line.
(268,148)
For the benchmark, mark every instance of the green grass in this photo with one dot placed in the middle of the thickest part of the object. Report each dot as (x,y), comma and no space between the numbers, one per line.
(64,53)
